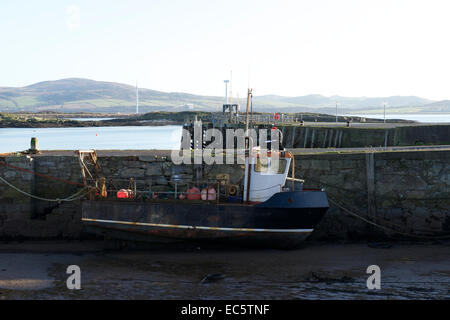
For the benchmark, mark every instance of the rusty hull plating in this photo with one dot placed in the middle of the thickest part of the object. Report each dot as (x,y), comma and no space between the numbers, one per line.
(285,220)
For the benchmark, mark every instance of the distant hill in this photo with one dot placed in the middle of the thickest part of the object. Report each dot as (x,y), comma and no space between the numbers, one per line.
(348,104)
(83,95)
(74,95)
(439,106)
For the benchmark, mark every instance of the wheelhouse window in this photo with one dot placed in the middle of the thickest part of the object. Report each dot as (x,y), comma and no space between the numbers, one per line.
(262,165)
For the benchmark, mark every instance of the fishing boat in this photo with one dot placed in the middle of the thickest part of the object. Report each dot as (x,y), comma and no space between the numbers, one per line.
(269,209)
(272,210)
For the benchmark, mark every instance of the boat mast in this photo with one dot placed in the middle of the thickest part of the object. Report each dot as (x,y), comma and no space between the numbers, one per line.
(248,147)
(249,95)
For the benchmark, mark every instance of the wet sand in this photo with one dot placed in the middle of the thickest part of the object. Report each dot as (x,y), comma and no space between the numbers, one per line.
(316,271)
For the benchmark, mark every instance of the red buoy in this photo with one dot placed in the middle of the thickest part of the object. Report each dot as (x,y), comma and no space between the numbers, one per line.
(125,194)
(193,194)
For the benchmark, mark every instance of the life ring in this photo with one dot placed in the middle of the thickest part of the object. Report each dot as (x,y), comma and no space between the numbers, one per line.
(232,190)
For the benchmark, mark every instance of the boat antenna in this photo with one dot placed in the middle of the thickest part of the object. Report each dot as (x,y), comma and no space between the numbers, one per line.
(231,86)
(226,90)
(249,94)
(251,108)
(248,75)
(238,103)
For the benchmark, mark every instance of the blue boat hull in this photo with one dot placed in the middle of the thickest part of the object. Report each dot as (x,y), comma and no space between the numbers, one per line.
(285,220)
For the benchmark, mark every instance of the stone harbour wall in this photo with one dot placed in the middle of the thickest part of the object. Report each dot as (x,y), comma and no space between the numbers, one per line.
(353,137)
(408,192)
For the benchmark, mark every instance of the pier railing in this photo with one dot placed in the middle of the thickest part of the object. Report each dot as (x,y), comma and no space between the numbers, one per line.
(258,118)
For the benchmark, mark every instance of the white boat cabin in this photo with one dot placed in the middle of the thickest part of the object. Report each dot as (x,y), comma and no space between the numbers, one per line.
(265,175)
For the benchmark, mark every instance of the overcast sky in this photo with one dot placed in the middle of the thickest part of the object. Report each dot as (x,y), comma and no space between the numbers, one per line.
(345,47)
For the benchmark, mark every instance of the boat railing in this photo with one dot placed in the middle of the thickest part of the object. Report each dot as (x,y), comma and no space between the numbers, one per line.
(179,187)
(296,182)
(295,179)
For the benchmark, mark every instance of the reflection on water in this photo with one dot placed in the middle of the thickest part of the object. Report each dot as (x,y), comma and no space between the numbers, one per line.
(99,138)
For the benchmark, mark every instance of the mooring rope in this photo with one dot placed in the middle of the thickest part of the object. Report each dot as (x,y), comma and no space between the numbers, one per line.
(40,174)
(76,196)
(384,227)
(364,193)
(382,197)
(398,225)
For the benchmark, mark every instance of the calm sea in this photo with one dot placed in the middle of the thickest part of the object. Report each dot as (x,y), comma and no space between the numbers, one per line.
(100,138)
(132,138)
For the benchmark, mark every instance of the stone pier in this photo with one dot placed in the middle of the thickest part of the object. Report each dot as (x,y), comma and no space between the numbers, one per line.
(407,191)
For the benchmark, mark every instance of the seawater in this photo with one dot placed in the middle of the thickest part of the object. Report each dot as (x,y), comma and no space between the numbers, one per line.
(99,138)
(130,138)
